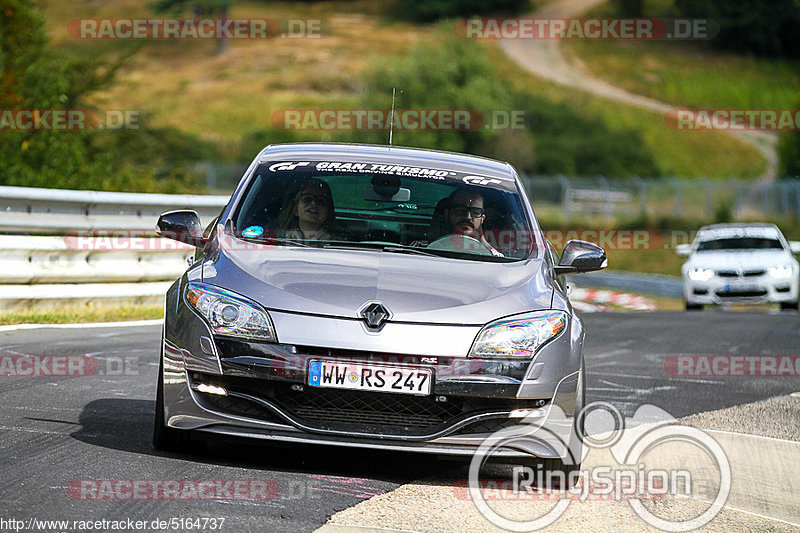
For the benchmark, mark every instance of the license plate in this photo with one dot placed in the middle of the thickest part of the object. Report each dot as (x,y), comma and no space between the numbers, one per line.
(365,376)
(741,287)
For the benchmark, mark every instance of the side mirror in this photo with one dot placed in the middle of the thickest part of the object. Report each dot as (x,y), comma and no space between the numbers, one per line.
(794,246)
(581,256)
(683,250)
(183,226)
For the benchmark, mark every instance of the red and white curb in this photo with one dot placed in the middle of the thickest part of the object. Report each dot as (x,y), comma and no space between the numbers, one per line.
(593,300)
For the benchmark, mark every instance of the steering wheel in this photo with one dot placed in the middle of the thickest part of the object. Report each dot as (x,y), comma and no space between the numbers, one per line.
(458,242)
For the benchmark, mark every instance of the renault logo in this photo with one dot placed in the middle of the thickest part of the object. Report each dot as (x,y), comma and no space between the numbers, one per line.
(375,315)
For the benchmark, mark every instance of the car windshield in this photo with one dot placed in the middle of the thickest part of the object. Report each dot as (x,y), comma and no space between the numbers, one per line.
(391,208)
(740,243)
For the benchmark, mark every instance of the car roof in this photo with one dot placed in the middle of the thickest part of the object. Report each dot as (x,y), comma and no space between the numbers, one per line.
(763,228)
(739,225)
(397,155)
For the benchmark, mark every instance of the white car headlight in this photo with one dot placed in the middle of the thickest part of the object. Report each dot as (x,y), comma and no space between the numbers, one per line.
(230,314)
(520,335)
(700,274)
(780,272)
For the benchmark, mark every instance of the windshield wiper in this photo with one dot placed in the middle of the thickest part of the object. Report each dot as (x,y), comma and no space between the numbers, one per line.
(277,240)
(393,248)
(399,249)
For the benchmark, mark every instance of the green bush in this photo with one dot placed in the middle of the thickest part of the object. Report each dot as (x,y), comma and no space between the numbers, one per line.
(430,10)
(789,153)
(566,142)
(750,26)
(453,73)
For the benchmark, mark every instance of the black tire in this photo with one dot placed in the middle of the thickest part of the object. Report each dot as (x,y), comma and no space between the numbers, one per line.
(165,438)
(789,306)
(693,307)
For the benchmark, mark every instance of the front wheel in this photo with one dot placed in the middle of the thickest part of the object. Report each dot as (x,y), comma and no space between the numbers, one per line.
(789,306)
(693,307)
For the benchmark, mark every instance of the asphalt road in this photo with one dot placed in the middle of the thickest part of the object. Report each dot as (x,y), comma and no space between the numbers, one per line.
(59,432)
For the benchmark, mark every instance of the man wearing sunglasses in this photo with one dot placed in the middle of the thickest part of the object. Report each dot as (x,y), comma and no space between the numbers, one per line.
(464,215)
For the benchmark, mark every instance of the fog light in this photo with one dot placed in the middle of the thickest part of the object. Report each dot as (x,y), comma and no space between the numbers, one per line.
(212,389)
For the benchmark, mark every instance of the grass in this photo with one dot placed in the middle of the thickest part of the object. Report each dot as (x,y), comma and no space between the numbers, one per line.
(82,314)
(663,261)
(710,154)
(184,85)
(689,73)
(220,98)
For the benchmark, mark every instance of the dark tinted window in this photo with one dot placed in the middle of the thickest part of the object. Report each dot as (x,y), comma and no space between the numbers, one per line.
(740,243)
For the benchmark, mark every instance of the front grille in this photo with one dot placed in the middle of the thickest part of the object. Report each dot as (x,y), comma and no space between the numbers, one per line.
(380,410)
(733,293)
(746,274)
(488,426)
(376,413)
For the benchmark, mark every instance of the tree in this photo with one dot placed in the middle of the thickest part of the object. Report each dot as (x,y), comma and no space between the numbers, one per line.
(198,8)
(429,10)
(789,153)
(750,26)
(33,76)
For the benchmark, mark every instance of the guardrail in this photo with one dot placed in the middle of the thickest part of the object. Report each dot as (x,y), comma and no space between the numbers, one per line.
(67,266)
(56,211)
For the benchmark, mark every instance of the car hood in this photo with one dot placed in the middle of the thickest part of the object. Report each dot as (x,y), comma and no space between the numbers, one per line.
(739,260)
(414,288)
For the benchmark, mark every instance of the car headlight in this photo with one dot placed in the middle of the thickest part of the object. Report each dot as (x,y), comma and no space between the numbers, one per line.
(520,335)
(700,274)
(780,272)
(230,314)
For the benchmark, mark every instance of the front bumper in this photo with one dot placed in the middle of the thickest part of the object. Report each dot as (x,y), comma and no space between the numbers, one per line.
(266,395)
(757,289)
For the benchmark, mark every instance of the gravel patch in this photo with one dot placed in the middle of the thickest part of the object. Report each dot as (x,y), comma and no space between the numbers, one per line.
(441,503)
(776,417)
(435,505)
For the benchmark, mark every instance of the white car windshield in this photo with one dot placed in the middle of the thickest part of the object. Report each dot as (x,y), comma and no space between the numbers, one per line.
(740,243)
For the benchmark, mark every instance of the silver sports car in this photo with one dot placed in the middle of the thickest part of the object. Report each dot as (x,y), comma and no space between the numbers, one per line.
(371,296)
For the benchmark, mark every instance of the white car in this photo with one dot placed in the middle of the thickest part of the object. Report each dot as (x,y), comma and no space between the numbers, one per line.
(750,263)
